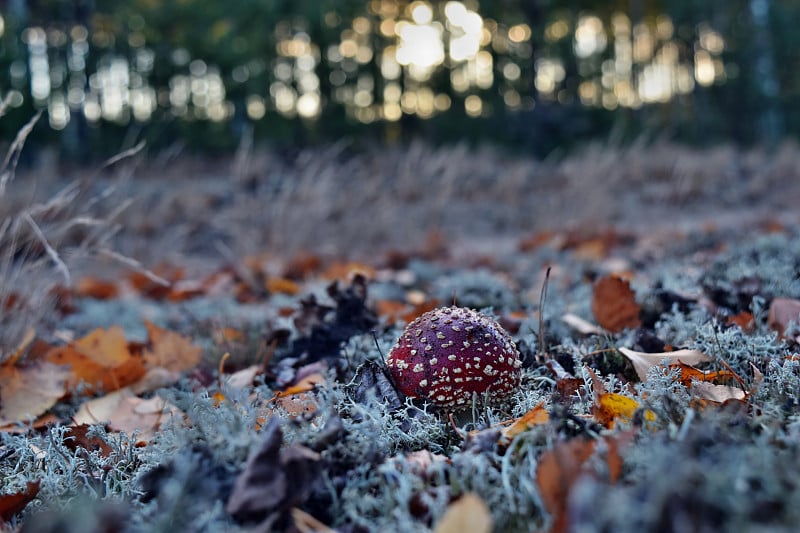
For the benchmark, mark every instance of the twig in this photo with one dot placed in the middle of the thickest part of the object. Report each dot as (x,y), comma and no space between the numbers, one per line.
(12,157)
(60,265)
(130,152)
(542,300)
(136,265)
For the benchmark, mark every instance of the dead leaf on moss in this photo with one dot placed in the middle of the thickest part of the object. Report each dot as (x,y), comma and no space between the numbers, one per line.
(468,514)
(580,325)
(690,374)
(102,360)
(614,304)
(123,411)
(11,504)
(716,393)
(643,362)
(558,470)
(782,312)
(169,350)
(535,417)
(608,407)
(28,391)
(78,437)
(99,289)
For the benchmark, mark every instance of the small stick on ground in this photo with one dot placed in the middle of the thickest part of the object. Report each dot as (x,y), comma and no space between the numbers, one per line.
(542,299)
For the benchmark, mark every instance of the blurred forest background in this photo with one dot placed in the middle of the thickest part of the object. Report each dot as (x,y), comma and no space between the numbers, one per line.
(535,75)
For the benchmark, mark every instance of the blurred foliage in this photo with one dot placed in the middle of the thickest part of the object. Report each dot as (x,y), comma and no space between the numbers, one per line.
(758,102)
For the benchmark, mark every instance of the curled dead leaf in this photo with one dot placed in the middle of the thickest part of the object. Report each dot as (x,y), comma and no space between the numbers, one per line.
(643,362)
(536,416)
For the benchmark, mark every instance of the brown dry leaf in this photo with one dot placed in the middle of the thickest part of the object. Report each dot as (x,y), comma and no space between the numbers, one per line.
(717,393)
(744,320)
(783,311)
(169,350)
(125,412)
(642,361)
(78,437)
(558,470)
(100,289)
(468,514)
(536,416)
(11,504)
(28,391)
(614,304)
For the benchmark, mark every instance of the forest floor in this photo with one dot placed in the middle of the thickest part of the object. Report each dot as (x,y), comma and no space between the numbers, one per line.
(124,289)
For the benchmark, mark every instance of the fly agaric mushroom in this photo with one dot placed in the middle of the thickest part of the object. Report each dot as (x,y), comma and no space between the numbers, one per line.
(446,355)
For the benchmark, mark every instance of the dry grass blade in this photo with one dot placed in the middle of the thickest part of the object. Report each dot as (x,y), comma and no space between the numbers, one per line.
(12,157)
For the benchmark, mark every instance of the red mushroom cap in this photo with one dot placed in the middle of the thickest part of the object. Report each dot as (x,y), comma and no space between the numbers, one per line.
(447,354)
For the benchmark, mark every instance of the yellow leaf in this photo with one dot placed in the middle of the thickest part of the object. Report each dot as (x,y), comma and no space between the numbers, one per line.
(468,514)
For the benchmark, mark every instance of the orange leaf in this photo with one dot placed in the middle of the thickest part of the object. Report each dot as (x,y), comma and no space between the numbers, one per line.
(11,504)
(744,320)
(100,289)
(306,384)
(169,350)
(281,285)
(690,374)
(101,359)
(536,416)
(614,305)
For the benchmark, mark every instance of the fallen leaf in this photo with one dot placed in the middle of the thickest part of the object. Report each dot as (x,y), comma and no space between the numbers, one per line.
(614,305)
(557,471)
(536,416)
(782,312)
(580,325)
(273,481)
(102,360)
(642,361)
(22,346)
(609,406)
(717,393)
(100,289)
(28,391)
(306,523)
(78,437)
(169,350)
(275,284)
(123,411)
(690,374)
(11,504)
(744,320)
(308,383)
(468,514)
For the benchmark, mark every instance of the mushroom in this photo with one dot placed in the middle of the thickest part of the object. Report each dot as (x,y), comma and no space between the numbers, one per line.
(448,354)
